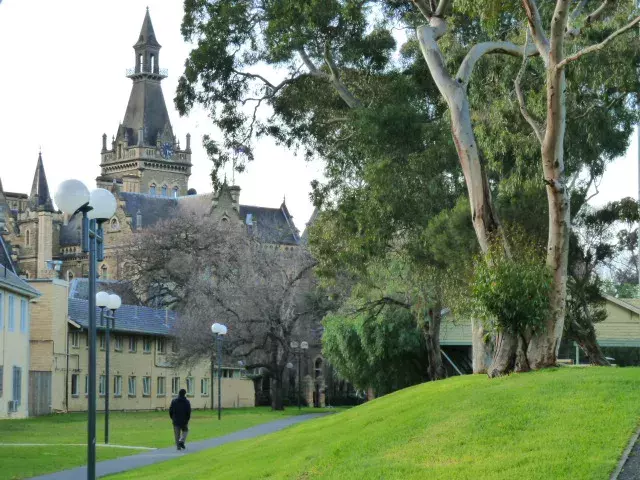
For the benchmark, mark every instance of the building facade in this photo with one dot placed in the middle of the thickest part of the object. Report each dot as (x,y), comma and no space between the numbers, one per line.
(148,171)
(15,319)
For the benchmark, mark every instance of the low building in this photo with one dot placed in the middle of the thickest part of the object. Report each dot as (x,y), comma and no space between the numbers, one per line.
(15,296)
(141,375)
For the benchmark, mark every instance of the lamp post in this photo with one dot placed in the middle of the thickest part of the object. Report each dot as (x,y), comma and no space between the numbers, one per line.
(299,349)
(110,302)
(219,331)
(96,207)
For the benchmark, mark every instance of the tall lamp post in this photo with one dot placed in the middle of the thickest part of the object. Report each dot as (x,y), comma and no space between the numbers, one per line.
(96,207)
(219,330)
(299,349)
(110,302)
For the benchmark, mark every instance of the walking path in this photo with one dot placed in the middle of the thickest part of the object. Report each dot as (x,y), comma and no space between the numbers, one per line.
(131,462)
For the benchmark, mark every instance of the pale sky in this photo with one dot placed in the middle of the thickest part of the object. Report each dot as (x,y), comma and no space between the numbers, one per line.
(63,84)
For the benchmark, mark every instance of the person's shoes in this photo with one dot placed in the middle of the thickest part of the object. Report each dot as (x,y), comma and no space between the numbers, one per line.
(181,446)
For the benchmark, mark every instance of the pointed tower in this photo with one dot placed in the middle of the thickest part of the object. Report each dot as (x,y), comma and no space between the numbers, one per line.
(39,199)
(145,156)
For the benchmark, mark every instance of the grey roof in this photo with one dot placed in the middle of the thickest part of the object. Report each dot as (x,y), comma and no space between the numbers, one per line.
(129,318)
(305,235)
(271,224)
(151,207)
(8,277)
(40,198)
(71,233)
(5,210)
(147,35)
(79,289)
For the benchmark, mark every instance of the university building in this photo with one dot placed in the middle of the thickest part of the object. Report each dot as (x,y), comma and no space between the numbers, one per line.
(147,169)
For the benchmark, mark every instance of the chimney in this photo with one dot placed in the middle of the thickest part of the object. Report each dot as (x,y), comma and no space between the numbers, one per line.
(188,149)
(104,142)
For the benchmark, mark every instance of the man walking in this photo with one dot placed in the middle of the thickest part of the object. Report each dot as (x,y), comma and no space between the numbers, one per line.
(180,413)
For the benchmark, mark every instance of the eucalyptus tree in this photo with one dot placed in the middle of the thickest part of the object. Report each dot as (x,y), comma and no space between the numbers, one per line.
(338,74)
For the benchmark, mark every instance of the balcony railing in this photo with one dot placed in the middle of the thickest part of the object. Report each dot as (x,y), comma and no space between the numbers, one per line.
(162,72)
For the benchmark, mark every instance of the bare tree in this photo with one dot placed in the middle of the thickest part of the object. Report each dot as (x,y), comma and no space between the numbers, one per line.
(217,271)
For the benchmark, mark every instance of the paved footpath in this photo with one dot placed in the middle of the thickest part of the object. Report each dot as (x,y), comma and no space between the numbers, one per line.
(123,464)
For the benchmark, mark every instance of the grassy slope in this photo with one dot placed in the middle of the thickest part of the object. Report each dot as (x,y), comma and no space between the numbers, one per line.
(147,429)
(558,424)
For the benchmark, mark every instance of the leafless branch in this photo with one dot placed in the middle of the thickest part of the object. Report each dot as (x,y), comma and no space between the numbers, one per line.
(535,125)
(599,46)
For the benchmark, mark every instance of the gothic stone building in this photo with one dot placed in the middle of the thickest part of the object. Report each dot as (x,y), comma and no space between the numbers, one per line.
(148,171)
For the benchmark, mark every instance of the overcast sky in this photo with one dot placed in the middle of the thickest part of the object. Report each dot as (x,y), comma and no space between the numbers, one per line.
(63,84)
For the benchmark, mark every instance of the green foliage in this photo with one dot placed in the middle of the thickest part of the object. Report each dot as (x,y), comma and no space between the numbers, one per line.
(512,292)
(384,351)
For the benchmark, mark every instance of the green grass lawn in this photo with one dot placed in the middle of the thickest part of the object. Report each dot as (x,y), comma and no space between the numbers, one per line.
(144,429)
(567,423)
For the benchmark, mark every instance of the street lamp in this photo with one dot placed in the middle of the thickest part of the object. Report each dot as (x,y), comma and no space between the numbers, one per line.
(110,302)
(219,330)
(96,207)
(299,349)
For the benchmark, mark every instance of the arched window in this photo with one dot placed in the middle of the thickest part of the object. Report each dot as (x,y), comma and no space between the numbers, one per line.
(175,192)
(164,190)
(103,272)
(27,238)
(114,224)
(69,275)
(152,189)
(153,63)
(141,62)
(318,369)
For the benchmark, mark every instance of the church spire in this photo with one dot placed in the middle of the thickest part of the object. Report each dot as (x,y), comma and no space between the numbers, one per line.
(39,199)
(147,49)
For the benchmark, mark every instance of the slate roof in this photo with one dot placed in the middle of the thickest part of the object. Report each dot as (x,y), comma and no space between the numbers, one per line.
(79,289)
(40,198)
(129,318)
(272,225)
(151,207)
(8,277)
(147,35)
(71,233)
(5,211)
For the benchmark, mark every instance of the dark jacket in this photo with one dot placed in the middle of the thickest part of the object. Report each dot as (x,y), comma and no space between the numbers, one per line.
(180,411)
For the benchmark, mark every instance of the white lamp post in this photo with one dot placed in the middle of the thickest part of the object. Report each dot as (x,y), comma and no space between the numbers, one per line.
(219,330)
(96,207)
(110,302)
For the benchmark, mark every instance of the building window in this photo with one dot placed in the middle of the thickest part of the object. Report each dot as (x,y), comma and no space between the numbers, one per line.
(104,274)
(164,190)
(189,385)
(118,343)
(75,339)
(74,385)
(160,345)
(161,387)
(117,386)
(318,369)
(175,385)
(153,63)
(12,319)
(133,344)
(204,386)
(146,345)
(175,192)
(132,386)
(103,342)
(17,385)
(69,275)
(86,384)
(102,385)
(146,386)
(27,240)
(152,189)
(24,316)
(114,224)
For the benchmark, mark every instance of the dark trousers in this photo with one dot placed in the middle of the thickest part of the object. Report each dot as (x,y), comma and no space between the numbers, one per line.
(180,433)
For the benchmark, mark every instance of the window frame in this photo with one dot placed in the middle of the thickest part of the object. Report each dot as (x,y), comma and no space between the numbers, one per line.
(161,345)
(190,382)
(133,340)
(75,339)
(75,382)
(131,381)
(161,386)
(175,385)
(117,343)
(146,341)
(11,323)
(146,386)
(117,385)
(102,385)
(204,382)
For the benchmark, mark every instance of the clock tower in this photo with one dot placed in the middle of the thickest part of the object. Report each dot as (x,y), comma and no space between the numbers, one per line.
(145,156)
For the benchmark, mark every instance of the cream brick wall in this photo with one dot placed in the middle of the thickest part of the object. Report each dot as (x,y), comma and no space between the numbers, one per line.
(236,392)
(14,352)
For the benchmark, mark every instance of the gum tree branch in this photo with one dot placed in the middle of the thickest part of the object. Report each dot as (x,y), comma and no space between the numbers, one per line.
(535,125)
